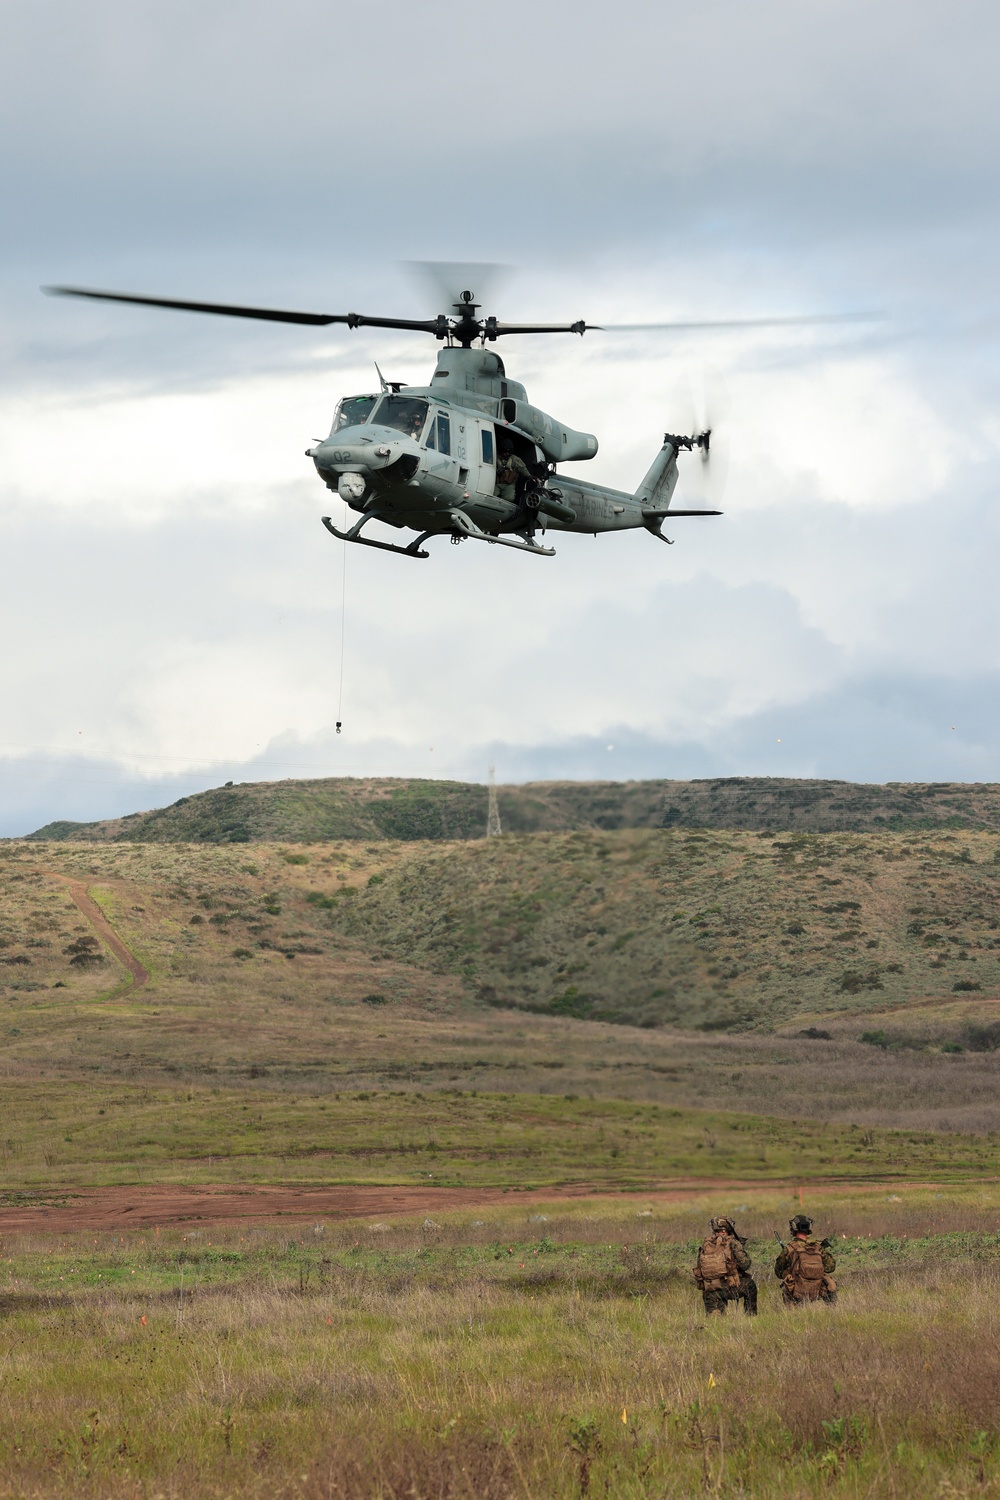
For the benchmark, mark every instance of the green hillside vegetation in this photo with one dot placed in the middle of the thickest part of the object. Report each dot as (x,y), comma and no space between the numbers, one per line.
(346,808)
(485,966)
(713,930)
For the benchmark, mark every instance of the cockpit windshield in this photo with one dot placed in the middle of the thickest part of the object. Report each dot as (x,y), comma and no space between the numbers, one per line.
(406,413)
(353,411)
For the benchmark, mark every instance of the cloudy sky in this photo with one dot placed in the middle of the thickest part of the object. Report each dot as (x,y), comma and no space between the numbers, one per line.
(170,604)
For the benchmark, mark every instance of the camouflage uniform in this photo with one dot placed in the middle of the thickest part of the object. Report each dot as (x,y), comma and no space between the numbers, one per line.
(745,1290)
(510,469)
(801,1228)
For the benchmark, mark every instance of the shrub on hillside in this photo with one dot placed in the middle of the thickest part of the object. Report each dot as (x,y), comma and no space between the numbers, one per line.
(84,952)
(852,980)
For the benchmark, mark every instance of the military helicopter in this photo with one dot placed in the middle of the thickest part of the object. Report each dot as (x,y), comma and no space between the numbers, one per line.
(467,456)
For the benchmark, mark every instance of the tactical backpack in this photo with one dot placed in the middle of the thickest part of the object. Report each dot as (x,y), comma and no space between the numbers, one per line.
(716,1266)
(805,1279)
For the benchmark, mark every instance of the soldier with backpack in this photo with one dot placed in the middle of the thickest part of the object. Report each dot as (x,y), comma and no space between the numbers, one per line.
(805,1266)
(722,1271)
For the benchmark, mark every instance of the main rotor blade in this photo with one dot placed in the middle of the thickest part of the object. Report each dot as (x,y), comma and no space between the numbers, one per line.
(709,323)
(492,328)
(227,310)
(439,326)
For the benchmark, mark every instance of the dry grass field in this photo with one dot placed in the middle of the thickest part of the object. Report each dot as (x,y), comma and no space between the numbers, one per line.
(510,1356)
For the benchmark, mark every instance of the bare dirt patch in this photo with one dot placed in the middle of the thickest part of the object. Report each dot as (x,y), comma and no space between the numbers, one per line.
(82,898)
(117,1208)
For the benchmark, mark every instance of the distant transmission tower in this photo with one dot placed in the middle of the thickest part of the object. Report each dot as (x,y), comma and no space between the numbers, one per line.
(493,829)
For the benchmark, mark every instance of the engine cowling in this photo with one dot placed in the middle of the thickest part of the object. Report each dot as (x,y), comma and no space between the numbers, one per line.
(558,442)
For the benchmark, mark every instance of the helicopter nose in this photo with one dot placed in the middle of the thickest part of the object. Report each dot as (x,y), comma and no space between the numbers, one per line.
(328,455)
(340,456)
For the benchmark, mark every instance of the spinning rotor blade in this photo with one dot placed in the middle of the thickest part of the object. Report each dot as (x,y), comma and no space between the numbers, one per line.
(683,415)
(459,322)
(451,282)
(707,324)
(266,314)
(462,324)
(442,282)
(704,470)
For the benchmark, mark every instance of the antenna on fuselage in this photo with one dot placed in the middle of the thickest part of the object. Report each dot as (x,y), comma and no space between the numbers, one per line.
(395,386)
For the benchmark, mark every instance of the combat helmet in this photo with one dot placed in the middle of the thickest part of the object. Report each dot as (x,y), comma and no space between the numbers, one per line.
(724,1222)
(801,1224)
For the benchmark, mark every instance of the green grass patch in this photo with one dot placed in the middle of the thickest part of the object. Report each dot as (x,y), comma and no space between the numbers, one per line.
(73,1135)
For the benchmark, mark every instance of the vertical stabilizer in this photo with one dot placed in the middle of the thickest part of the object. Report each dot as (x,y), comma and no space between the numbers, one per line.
(656,490)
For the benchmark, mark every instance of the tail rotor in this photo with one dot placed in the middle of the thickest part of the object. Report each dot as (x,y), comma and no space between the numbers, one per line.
(704,408)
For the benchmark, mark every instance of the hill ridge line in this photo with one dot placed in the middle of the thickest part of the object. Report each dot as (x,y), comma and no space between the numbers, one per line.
(324,809)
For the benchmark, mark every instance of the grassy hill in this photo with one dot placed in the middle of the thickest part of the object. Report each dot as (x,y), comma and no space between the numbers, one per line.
(373,808)
(710,929)
(852,976)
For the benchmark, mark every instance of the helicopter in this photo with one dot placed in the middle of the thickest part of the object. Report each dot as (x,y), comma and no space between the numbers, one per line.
(468,456)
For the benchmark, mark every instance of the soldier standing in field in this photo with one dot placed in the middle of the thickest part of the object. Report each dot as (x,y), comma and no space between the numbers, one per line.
(722,1271)
(805,1266)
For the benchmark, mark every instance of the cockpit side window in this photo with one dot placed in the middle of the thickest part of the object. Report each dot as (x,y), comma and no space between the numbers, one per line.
(406,413)
(443,433)
(353,411)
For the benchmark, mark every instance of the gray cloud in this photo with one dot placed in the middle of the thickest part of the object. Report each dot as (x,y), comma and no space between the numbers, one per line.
(171,603)
(866,729)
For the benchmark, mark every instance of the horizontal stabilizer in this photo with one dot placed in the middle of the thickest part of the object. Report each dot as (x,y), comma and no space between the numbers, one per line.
(659,515)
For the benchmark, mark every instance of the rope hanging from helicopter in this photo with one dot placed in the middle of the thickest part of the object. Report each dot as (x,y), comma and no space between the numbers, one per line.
(343,632)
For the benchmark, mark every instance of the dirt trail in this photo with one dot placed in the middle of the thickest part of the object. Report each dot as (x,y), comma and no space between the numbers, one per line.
(121,1208)
(80,894)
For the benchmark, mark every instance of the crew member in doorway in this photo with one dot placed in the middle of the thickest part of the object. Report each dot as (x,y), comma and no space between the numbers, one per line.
(510,469)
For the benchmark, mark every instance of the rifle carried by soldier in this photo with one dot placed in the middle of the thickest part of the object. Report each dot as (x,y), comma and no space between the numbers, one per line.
(824,1244)
(722,1272)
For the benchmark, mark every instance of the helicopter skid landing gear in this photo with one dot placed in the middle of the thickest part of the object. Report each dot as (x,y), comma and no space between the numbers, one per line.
(466,527)
(413,550)
(462,527)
